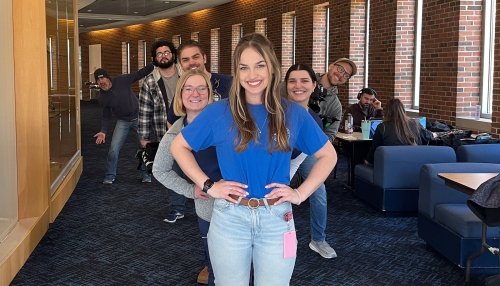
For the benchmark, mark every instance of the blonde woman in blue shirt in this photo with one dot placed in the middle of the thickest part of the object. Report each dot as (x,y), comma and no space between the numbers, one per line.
(254,132)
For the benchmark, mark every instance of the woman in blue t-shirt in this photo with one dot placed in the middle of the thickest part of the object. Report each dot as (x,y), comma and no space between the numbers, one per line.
(254,132)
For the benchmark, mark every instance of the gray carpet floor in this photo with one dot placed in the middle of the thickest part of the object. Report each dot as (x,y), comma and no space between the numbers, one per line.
(114,235)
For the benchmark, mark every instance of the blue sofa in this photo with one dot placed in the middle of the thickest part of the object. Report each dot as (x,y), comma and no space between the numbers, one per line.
(391,184)
(446,223)
(479,153)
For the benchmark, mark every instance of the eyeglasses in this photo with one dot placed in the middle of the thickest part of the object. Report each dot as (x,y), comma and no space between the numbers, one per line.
(201,89)
(165,53)
(341,70)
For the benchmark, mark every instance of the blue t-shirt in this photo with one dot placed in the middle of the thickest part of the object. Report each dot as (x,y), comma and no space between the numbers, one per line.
(254,166)
(316,118)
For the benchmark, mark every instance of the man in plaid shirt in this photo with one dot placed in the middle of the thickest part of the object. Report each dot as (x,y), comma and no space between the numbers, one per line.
(156,95)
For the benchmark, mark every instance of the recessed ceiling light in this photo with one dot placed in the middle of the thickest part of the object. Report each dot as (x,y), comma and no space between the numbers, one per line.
(89,10)
(135,12)
(166,2)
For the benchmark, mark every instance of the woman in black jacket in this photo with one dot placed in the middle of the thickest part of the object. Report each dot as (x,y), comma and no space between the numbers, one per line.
(398,129)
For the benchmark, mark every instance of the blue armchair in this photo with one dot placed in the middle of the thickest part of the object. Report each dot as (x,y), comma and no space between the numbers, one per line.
(446,223)
(479,153)
(391,184)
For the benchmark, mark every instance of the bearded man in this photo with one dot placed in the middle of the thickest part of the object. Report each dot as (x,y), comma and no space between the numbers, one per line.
(156,95)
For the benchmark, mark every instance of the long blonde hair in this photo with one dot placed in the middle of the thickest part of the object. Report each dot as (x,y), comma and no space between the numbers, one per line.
(395,112)
(247,128)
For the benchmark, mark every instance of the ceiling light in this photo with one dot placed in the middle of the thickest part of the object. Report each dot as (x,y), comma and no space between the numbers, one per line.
(89,10)
(135,12)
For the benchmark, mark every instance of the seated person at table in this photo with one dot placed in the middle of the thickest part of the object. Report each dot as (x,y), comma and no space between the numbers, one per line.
(367,107)
(398,129)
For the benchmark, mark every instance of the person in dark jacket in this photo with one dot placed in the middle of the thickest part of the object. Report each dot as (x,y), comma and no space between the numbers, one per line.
(117,98)
(398,129)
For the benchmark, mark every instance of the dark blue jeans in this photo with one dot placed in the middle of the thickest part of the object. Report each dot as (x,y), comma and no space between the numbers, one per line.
(177,201)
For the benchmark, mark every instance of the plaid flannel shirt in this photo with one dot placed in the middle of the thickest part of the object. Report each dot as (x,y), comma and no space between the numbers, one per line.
(152,110)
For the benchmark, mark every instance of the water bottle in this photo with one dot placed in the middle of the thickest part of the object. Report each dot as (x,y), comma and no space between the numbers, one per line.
(349,124)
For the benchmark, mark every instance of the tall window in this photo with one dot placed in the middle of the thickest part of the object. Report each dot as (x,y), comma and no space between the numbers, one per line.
(367,41)
(195,36)
(261,26)
(142,54)
(176,40)
(52,63)
(125,57)
(236,34)
(327,37)
(214,49)
(488,57)
(320,37)
(288,29)
(418,46)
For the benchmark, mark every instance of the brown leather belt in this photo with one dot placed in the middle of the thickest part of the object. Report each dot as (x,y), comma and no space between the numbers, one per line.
(253,203)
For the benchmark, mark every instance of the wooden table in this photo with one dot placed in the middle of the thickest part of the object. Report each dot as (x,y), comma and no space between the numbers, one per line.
(465,182)
(468,183)
(355,148)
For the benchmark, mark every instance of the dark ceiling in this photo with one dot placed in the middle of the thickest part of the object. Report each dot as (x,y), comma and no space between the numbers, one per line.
(103,14)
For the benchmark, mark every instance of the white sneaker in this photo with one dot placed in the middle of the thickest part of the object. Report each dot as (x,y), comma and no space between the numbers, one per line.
(108,181)
(323,248)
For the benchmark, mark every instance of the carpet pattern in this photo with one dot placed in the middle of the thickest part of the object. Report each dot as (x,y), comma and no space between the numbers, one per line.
(114,235)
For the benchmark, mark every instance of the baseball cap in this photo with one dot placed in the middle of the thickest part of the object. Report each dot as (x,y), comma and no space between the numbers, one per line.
(100,73)
(351,63)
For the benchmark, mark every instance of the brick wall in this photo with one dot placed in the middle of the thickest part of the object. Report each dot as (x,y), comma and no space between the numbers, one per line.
(449,61)
(357,48)
(404,51)
(382,47)
(469,58)
(450,69)
(340,42)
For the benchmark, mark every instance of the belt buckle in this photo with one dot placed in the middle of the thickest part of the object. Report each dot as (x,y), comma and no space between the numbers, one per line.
(249,203)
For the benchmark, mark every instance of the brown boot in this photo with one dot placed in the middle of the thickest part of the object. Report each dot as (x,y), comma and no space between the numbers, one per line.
(203,276)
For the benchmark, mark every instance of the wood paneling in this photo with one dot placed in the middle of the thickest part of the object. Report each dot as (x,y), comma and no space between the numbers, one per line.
(29,91)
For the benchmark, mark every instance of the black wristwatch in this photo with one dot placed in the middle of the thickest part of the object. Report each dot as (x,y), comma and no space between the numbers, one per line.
(207,185)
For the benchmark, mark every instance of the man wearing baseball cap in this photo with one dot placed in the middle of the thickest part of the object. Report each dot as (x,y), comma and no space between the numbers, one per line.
(339,72)
(331,110)
(117,98)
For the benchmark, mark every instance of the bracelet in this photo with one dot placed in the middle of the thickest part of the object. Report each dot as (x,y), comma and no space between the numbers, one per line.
(300,196)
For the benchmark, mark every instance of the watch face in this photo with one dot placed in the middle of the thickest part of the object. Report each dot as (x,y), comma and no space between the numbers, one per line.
(207,185)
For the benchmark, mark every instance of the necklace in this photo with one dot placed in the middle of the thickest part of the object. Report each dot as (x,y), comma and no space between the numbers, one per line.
(263,124)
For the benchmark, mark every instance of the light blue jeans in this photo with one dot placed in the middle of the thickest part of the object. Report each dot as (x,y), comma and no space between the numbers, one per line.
(239,236)
(317,202)
(120,134)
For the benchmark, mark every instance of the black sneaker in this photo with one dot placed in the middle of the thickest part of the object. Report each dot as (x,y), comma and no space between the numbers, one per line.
(173,216)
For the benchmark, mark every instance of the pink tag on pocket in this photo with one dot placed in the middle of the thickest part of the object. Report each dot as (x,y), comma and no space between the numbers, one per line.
(289,244)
